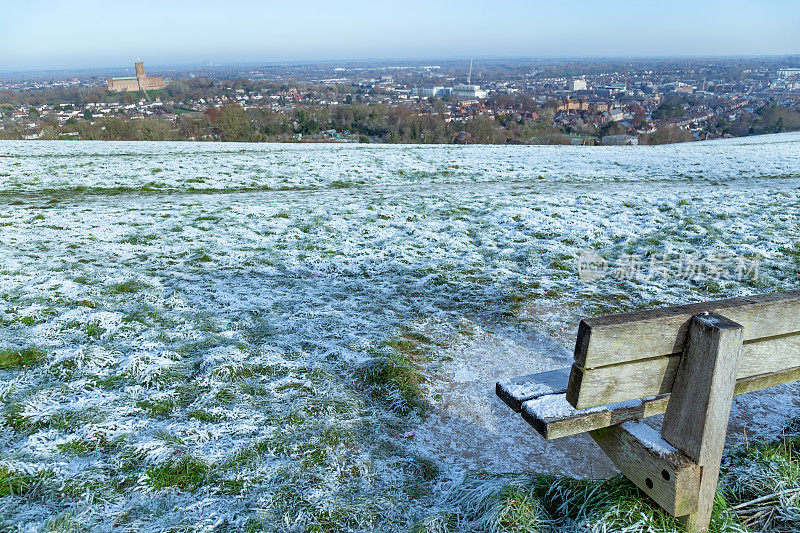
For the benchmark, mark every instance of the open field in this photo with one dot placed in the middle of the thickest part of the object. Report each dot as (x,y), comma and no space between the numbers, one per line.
(306,337)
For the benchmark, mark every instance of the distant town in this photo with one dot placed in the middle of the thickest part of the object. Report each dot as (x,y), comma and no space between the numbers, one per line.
(579,102)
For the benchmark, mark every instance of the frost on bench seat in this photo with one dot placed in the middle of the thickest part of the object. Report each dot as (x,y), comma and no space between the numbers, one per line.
(542,402)
(553,417)
(518,390)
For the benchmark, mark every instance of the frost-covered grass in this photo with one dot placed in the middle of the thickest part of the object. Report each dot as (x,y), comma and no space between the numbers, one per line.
(394,375)
(762,482)
(247,343)
(537,503)
(101,168)
(759,490)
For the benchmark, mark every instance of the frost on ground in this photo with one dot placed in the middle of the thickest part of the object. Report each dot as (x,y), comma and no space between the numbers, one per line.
(307,337)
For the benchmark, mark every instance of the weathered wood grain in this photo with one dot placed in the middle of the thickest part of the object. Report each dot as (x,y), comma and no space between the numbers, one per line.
(553,417)
(764,381)
(552,423)
(656,467)
(515,391)
(620,383)
(769,355)
(655,376)
(660,332)
(696,420)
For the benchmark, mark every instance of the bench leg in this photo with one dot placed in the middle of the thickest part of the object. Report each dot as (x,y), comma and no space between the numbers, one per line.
(696,419)
(670,478)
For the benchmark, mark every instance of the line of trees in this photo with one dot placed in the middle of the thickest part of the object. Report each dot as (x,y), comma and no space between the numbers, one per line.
(769,119)
(366,121)
(380,123)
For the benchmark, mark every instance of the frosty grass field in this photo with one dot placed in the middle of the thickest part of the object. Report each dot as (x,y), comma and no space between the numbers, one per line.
(306,337)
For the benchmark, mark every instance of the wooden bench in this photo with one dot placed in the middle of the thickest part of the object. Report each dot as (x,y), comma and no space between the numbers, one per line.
(686,362)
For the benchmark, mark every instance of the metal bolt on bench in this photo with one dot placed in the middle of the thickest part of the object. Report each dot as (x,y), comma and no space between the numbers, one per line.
(686,362)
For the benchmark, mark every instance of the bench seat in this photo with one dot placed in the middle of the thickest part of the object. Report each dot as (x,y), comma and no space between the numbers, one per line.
(542,402)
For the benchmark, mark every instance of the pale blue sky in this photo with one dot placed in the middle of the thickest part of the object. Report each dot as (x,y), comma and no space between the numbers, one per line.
(40,34)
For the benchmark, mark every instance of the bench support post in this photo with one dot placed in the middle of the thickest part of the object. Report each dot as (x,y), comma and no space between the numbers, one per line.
(696,419)
(662,472)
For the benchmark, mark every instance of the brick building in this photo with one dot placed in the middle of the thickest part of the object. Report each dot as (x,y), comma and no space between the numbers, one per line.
(140,82)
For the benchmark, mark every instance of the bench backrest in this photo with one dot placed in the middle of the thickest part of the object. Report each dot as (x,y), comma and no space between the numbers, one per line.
(635,355)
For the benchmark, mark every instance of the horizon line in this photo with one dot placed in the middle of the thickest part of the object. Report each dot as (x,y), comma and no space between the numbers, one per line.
(334,61)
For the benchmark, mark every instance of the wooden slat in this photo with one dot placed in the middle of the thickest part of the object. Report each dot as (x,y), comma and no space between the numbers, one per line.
(553,417)
(655,376)
(657,468)
(515,391)
(769,355)
(696,420)
(660,332)
(764,381)
(620,383)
